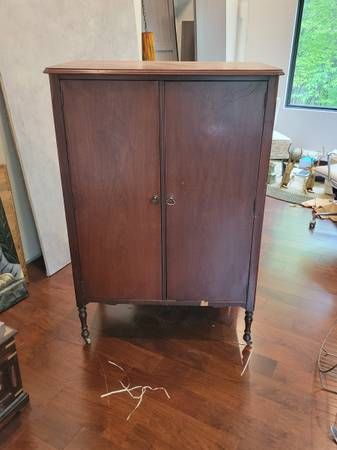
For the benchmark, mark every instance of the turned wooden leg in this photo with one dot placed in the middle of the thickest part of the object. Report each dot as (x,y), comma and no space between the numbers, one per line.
(82,312)
(247,337)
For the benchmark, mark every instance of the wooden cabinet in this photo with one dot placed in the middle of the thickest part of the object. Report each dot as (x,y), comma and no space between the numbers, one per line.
(12,396)
(212,135)
(164,169)
(112,132)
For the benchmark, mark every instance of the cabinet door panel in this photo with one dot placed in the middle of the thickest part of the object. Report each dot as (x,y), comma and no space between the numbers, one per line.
(212,143)
(112,130)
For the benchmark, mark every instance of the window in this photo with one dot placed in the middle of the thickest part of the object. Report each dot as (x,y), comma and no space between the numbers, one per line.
(313,70)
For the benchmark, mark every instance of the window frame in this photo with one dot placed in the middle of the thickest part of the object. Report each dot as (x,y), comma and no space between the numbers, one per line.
(292,65)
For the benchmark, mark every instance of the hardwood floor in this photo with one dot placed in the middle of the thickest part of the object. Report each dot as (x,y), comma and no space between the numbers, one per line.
(276,404)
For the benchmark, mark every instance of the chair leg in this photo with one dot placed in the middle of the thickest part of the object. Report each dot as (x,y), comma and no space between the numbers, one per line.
(312,223)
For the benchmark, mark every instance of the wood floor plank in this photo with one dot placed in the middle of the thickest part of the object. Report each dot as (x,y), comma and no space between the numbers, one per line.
(196,353)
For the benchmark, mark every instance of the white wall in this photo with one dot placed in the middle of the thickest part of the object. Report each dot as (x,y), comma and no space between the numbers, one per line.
(184,10)
(8,156)
(269,40)
(138,17)
(211,30)
(33,35)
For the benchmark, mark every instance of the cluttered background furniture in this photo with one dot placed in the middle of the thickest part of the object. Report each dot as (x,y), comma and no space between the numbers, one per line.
(279,153)
(306,163)
(280,146)
(12,396)
(148,154)
(329,172)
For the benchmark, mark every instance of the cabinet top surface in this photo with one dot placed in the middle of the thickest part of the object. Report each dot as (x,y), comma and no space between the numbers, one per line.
(162,68)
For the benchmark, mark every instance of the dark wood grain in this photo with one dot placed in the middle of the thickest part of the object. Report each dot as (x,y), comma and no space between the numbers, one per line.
(266,140)
(67,190)
(277,404)
(112,130)
(163,186)
(212,140)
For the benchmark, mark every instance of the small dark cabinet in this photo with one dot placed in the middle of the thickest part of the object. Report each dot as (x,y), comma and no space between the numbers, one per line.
(164,168)
(12,395)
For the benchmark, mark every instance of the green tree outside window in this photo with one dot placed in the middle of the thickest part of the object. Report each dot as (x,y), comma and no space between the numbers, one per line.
(314,78)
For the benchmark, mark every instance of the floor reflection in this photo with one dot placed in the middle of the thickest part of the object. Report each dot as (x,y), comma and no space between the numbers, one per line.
(202,338)
(163,322)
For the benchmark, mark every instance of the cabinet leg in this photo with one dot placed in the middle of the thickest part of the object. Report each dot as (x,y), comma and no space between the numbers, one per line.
(82,313)
(247,337)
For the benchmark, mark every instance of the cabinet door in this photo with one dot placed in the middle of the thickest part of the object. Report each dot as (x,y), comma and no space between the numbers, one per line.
(212,142)
(112,130)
